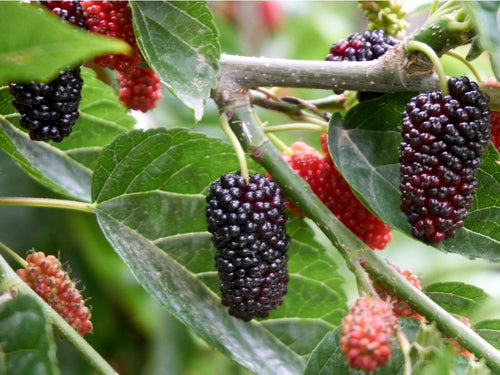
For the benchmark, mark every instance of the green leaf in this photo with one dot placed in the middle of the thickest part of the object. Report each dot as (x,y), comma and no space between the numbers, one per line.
(30,51)
(327,358)
(180,42)
(148,157)
(27,343)
(102,118)
(456,297)
(365,150)
(48,165)
(490,331)
(484,15)
(141,190)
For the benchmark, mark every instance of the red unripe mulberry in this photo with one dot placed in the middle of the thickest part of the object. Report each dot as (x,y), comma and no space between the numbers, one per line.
(332,189)
(113,19)
(44,274)
(140,89)
(367,333)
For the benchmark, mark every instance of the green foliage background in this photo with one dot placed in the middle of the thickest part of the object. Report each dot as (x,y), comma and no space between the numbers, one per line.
(131,330)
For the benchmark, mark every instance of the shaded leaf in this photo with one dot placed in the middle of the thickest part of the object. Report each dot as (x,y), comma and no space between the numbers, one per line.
(457,297)
(38,53)
(365,150)
(180,42)
(484,15)
(48,165)
(490,331)
(27,343)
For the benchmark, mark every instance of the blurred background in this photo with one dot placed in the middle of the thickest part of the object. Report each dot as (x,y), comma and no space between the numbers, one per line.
(130,329)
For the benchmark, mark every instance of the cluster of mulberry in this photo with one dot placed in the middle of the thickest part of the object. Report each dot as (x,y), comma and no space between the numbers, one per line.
(44,274)
(332,189)
(140,88)
(247,222)
(444,138)
(49,110)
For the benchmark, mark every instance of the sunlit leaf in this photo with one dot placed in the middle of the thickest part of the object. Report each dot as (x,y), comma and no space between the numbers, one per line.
(180,41)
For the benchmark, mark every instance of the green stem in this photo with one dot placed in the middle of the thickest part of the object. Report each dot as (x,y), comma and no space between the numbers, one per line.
(414,46)
(11,253)
(277,142)
(296,126)
(466,62)
(10,281)
(363,279)
(240,154)
(46,202)
(434,7)
(350,247)
(306,117)
(405,347)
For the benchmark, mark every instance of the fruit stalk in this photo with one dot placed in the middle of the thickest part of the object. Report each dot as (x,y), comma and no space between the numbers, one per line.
(261,150)
(46,202)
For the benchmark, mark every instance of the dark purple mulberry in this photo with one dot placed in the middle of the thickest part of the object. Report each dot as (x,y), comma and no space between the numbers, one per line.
(361,47)
(444,139)
(49,110)
(247,223)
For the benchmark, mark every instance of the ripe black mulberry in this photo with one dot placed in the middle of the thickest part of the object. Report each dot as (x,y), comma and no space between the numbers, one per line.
(49,110)
(361,47)
(247,223)
(444,138)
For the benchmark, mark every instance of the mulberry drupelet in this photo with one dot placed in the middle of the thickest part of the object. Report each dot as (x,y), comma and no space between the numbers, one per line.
(247,223)
(444,138)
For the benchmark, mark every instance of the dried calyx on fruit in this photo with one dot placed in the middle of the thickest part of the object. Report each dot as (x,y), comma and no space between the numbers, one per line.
(332,189)
(44,274)
(444,138)
(367,334)
(247,222)
(49,110)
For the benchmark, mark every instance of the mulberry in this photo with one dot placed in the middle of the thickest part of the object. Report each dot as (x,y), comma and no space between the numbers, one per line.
(444,138)
(494,119)
(140,88)
(113,19)
(361,47)
(247,223)
(44,274)
(49,110)
(367,334)
(332,189)
(70,11)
